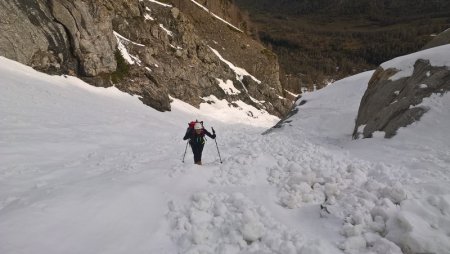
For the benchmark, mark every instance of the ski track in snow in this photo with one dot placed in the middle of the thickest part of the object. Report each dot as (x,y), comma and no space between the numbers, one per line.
(92,170)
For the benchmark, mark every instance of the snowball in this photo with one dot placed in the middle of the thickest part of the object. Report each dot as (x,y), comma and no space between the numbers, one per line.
(301,187)
(331,189)
(252,231)
(302,180)
(184,242)
(358,217)
(182,224)
(201,201)
(250,215)
(227,249)
(371,238)
(395,194)
(384,246)
(331,200)
(288,248)
(349,230)
(238,200)
(199,235)
(378,224)
(220,209)
(354,243)
(199,217)
(289,201)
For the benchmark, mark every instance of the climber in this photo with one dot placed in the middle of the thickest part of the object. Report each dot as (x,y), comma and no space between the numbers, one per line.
(196,135)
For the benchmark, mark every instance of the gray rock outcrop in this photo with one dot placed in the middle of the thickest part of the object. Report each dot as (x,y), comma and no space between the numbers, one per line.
(29,35)
(167,50)
(58,36)
(441,39)
(89,27)
(388,105)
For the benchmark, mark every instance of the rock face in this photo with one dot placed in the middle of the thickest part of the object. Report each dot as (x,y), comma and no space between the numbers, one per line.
(29,35)
(144,48)
(388,105)
(244,52)
(89,28)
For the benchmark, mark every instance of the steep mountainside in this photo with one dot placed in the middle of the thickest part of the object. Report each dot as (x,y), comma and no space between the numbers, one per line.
(329,39)
(147,48)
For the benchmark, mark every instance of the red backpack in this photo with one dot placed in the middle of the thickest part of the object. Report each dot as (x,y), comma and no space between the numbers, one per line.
(192,123)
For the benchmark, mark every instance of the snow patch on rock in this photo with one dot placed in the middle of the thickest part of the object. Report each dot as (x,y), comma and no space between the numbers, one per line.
(240,72)
(228,87)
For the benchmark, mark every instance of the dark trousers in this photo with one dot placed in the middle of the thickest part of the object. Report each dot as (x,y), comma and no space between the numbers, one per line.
(197,149)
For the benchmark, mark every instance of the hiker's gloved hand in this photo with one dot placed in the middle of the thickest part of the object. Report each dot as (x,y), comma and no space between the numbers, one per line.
(186,136)
(214,132)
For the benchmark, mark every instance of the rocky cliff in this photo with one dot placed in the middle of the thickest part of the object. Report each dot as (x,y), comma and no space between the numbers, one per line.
(144,47)
(398,87)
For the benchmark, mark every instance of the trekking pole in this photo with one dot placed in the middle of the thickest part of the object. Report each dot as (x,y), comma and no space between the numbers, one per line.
(217,145)
(185,150)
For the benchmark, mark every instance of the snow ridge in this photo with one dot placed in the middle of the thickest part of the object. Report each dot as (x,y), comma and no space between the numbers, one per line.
(123,50)
(170,33)
(127,40)
(217,17)
(162,4)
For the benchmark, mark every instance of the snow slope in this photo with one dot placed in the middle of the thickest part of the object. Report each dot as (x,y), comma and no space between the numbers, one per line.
(86,169)
(93,170)
(398,188)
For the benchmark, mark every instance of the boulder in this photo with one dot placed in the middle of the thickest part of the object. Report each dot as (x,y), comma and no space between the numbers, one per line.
(388,105)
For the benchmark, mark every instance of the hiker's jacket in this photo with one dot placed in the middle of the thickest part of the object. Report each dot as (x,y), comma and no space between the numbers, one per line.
(197,139)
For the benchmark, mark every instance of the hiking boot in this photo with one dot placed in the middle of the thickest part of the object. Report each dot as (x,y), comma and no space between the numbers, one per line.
(200,163)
